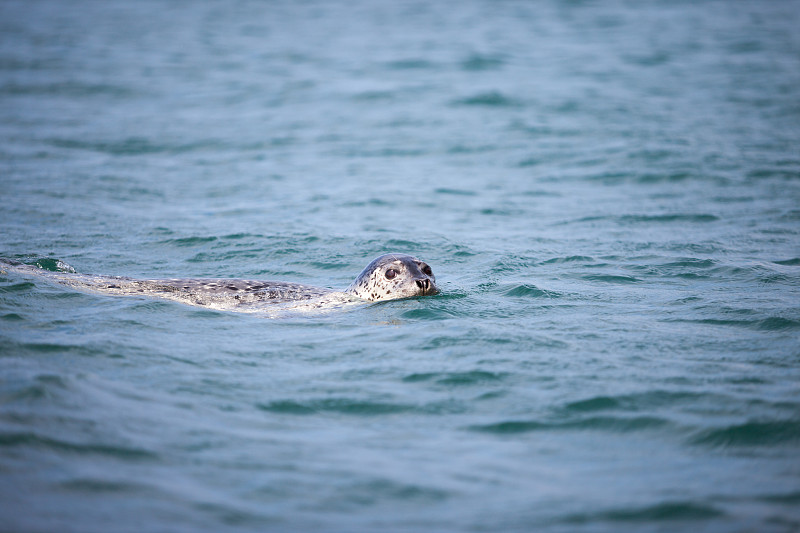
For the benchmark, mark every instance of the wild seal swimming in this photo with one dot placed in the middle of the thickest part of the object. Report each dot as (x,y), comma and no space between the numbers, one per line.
(388,277)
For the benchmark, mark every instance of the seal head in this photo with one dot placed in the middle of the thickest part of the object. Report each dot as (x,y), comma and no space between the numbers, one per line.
(394,276)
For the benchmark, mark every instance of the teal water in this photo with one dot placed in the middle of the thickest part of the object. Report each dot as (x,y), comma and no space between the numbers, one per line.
(608,194)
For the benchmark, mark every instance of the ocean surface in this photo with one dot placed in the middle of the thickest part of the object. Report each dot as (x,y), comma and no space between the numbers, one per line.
(608,193)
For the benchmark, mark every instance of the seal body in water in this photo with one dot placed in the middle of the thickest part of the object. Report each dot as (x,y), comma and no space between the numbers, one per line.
(388,277)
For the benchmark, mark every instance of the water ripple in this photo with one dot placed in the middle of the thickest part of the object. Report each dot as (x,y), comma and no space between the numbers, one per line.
(669,511)
(474,377)
(34,440)
(488,99)
(604,423)
(636,402)
(755,433)
(530,291)
(345,406)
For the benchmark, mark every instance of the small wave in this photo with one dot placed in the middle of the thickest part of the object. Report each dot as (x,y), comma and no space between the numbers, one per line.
(378,202)
(288,407)
(48,347)
(401,243)
(647,219)
(335,405)
(426,313)
(189,241)
(791,498)
(461,149)
(659,512)
(687,268)
(690,262)
(501,212)
(632,402)
(102,486)
(529,162)
(776,323)
(569,259)
(67,89)
(478,62)
(599,403)
(388,151)
(420,376)
(410,64)
(25,286)
(530,291)
(373,96)
(766,324)
(750,434)
(28,439)
(488,99)
(245,235)
(511,427)
(45,386)
(652,155)
(605,423)
(328,265)
(385,489)
(541,193)
(456,378)
(133,146)
(789,262)
(774,173)
(455,192)
(511,264)
(669,177)
(610,177)
(611,278)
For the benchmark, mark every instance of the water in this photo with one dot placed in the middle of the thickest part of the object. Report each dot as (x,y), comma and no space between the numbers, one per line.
(607,193)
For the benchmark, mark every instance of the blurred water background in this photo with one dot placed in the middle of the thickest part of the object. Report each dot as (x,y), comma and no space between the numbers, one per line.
(608,193)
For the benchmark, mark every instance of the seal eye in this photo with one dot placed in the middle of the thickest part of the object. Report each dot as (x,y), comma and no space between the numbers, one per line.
(391,273)
(427,270)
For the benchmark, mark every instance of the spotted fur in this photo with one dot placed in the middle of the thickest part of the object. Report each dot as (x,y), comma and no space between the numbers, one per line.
(408,280)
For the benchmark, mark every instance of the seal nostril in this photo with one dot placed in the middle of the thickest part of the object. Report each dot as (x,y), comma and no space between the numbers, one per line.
(423,284)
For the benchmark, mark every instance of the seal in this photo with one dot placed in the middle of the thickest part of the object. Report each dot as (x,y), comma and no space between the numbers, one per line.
(388,277)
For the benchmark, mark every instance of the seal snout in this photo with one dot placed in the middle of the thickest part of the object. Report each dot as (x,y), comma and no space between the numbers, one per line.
(425,285)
